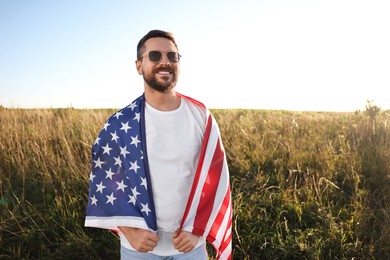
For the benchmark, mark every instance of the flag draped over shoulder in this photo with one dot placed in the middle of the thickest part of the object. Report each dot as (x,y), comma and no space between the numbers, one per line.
(120,192)
(209,207)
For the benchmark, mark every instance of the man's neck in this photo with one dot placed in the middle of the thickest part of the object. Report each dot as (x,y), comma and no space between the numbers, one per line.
(162,101)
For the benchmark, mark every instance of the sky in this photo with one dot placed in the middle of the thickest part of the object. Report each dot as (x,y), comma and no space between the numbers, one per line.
(300,55)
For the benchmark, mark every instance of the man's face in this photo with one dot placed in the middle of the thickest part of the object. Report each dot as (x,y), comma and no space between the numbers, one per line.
(160,75)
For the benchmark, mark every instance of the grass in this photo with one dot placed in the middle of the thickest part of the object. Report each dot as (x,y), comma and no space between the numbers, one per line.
(305,185)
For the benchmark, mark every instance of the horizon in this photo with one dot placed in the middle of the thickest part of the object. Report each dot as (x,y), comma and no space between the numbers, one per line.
(261,109)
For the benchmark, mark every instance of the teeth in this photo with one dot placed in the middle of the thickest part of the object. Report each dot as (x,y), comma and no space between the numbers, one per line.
(164,72)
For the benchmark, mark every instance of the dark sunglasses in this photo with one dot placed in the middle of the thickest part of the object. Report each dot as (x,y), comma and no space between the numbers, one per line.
(156,56)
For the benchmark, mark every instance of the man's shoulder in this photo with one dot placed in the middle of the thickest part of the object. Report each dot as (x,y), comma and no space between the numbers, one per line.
(130,110)
(192,100)
(123,121)
(196,108)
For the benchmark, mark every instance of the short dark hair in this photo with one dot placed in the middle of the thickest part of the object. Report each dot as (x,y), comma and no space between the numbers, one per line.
(153,34)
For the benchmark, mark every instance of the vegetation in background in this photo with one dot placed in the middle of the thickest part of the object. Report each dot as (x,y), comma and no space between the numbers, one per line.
(305,185)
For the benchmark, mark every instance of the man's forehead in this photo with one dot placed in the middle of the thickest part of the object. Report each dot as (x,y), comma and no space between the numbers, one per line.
(159,43)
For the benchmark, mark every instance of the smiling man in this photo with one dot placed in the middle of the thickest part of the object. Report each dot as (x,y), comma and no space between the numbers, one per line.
(159,174)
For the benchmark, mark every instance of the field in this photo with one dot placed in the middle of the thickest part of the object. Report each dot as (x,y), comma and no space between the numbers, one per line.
(305,185)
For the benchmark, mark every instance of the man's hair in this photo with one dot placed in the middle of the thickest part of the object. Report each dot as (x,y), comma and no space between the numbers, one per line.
(153,34)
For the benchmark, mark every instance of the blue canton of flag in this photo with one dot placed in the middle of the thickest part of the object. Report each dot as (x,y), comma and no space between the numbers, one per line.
(120,189)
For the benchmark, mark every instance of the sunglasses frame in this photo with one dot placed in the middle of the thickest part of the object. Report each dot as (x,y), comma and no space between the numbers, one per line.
(168,53)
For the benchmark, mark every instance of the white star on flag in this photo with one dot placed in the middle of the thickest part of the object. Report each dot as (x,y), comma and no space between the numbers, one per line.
(145,208)
(132,199)
(118,114)
(97,140)
(109,174)
(137,116)
(98,163)
(110,199)
(107,149)
(135,192)
(125,127)
(118,160)
(94,200)
(114,137)
(134,166)
(132,106)
(144,183)
(135,140)
(124,151)
(106,125)
(121,186)
(91,176)
(100,187)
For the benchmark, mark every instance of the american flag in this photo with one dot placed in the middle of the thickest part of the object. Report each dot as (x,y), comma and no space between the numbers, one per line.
(120,191)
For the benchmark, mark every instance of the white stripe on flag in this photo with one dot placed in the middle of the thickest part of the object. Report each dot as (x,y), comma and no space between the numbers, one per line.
(212,143)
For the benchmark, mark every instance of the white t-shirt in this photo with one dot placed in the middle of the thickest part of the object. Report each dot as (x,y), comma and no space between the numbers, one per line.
(174,140)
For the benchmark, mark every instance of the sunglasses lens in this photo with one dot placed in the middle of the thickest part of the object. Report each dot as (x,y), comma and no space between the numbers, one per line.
(173,57)
(155,56)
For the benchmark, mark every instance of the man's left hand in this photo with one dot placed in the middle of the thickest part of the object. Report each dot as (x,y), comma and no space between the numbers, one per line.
(184,241)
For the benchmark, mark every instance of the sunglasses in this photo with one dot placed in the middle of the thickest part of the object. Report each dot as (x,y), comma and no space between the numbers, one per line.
(156,56)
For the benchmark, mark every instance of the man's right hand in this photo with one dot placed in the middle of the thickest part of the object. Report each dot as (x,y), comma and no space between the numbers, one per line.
(140,239)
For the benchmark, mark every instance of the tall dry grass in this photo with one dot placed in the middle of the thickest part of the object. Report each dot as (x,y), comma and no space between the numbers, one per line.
(45,164)
(305,185)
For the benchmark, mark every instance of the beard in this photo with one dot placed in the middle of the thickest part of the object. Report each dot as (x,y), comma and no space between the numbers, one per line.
(159,85)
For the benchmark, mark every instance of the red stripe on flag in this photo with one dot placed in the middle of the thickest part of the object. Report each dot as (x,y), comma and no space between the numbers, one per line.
(221,213)
(209,190)
(197,173)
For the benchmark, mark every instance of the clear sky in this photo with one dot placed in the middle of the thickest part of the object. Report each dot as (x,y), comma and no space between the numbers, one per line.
(330,55)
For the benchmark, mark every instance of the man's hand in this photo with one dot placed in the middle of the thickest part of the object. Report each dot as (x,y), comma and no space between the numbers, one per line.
(140,239)
(184,241)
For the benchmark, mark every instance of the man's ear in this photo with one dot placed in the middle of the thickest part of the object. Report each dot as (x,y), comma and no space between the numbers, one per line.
(138,65)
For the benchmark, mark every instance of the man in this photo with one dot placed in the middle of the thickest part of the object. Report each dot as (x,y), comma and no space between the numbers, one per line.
(159,171)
